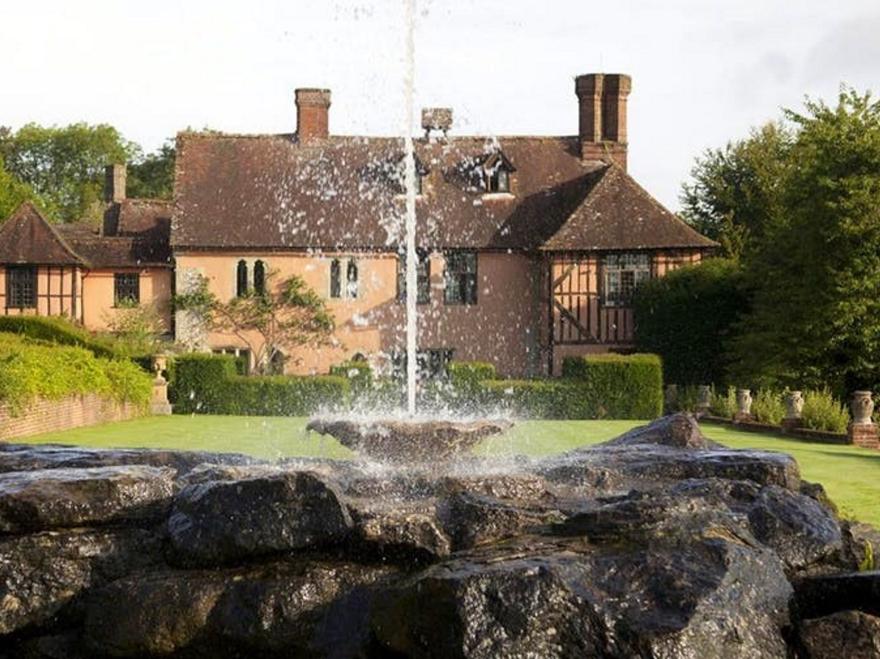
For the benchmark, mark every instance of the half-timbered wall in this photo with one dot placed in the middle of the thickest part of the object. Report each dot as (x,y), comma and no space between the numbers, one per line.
(578,314)
(59,291)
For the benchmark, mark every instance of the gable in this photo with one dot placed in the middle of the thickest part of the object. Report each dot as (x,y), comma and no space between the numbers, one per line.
(26,237)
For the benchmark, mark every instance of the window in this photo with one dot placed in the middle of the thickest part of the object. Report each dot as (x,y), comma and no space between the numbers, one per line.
(622,275)
(461,278)
(431,364)
(260,277)
(423,274)
(241,279)
(351,279)
(21,287)
(350,290)
(126,288)
(498,180)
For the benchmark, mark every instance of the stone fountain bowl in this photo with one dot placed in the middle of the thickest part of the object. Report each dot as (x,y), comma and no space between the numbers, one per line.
(409,441)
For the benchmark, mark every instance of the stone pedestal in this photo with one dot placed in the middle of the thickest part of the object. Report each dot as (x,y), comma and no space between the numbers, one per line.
(863,431)
(159,404)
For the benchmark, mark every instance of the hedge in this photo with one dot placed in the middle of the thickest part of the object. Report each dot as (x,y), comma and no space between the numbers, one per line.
(619,386)
(57,330)
(688,318)
(31,369)
(208,384)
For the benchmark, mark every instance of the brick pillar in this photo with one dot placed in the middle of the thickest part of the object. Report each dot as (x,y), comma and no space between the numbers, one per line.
(602,123)
(863,431)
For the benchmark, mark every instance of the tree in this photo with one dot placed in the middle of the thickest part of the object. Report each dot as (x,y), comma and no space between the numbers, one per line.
(815,317)
(273,324)
(136,328)
(688,317)
(735,191)
(12,192)
(152,176)
(65,165)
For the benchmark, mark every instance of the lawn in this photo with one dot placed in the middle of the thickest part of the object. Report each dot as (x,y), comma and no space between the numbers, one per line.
(851,475)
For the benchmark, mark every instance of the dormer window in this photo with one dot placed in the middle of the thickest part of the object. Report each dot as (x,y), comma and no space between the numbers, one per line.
(399,175)
(495,170)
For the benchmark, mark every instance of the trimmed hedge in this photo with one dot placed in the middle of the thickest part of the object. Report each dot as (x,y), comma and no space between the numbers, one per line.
(57,330)
(31,369)
(619,386)
(208,384)
(359,374)
(538,399)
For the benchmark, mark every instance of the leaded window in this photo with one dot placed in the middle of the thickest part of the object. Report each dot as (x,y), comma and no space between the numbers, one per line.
(241,279)
(461,278)
(21,287)
(126,288)
(348,288)
(260,277)
(423,275)
(623,273)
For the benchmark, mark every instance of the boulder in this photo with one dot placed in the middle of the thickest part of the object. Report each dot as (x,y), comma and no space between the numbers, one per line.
(307,608)
(400,532)
(821,595)
(67,497)
(222,522)
(41,574)
(676,430)
(713,598)
(850,634)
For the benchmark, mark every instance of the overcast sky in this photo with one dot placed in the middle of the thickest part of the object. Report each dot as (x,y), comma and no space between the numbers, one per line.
(703,71)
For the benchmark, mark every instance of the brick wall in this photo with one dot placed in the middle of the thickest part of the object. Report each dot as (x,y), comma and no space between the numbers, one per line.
(73,412)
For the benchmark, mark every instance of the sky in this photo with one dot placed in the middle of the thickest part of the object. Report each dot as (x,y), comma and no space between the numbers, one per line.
(703,71)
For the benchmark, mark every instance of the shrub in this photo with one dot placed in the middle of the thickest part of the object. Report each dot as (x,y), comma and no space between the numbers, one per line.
(688,317)
(824,412)
(32,369)
(769,407)
(358,373)
(209,384)
(57,329)
(686,399)
(467,375)
(618,386)
(723,404)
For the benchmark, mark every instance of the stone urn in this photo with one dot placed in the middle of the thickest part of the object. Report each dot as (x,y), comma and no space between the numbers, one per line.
(670,396)
(743,405)
(794,407)
(159,402)
(704,398)
(862,408)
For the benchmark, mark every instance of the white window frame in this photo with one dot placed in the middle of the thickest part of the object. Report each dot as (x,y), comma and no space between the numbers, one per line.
(616,269)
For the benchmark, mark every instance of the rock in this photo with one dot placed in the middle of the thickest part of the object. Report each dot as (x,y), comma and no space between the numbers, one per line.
(43,499)
(25,457)
(401,532)
(221,522)
(822,595)
(308,608)
(676,430)
(710,599)
(474,519)
(854,633)
(41,574)
(498,485)
(52,646)
(644,467)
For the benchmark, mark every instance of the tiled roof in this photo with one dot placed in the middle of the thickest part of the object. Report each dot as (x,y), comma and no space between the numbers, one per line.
(116,251)
(234,192)
(26,237)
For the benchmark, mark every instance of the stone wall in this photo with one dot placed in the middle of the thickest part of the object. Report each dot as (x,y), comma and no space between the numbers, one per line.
(71,412)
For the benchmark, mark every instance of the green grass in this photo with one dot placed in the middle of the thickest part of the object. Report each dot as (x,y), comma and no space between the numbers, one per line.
(851,475)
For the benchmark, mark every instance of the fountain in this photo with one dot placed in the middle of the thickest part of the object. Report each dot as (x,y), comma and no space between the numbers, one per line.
(409,438)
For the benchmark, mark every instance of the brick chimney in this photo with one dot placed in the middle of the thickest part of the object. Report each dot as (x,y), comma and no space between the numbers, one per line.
(312,110)
(114,183)
(602,116)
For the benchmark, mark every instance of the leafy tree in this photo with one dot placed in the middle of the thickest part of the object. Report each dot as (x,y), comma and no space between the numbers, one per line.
(688,316)
(65,165)
(152,176)
(136,328)
(272,324)
(735,190)
(12,192)
(816,276)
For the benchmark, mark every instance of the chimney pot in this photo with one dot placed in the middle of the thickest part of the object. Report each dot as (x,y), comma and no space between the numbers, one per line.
(114,183)
(312,114)
(436,119)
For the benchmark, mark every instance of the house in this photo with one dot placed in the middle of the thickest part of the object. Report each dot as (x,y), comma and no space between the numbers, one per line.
(84,273)
(529,247)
